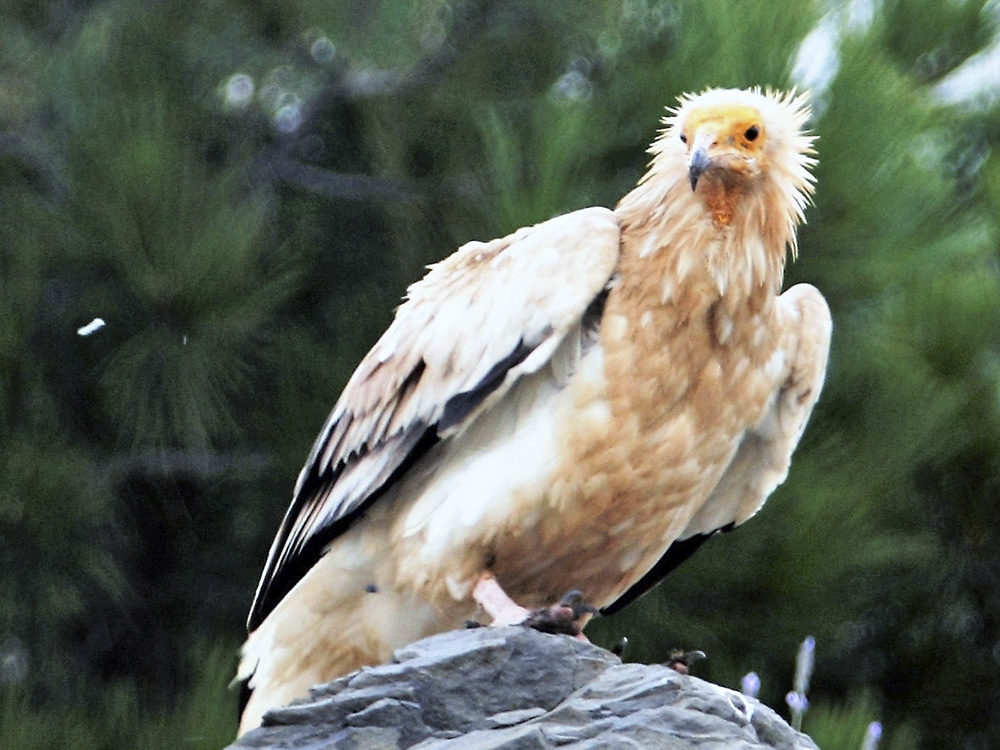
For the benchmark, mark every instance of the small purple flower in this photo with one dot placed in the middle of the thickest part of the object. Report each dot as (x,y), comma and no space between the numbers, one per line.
(872,736)
(796,699)
(750,685)
(804,665)
(797,702)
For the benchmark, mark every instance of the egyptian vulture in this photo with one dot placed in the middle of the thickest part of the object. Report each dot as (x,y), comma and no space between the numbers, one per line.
(576,405)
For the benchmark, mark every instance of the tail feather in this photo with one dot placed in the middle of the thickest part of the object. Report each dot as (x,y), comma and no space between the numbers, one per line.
(317,634)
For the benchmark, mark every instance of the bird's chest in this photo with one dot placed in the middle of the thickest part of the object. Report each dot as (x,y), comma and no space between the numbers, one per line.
(645,439)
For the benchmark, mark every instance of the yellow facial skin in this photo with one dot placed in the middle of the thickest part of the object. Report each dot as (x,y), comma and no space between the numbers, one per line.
(727,141)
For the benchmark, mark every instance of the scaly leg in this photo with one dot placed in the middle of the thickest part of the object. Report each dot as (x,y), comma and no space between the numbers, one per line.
(568,616)
(494,600)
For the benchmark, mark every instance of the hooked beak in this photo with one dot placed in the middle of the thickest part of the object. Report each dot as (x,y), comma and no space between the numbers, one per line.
(699,160)
(697,164)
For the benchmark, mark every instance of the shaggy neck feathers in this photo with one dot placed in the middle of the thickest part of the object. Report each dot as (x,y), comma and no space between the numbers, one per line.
(733,234)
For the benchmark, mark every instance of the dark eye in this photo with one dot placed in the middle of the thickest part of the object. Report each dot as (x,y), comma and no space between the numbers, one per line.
(752,132)
(684,138)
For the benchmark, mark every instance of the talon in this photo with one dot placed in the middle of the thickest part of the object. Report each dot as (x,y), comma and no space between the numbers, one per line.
(681,661)
(575,600)
(568,616)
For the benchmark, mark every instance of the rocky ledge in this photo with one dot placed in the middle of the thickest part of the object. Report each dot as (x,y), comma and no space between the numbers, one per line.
(517,689)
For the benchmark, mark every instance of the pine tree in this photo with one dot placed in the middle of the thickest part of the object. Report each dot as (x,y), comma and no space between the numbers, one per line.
(242,192)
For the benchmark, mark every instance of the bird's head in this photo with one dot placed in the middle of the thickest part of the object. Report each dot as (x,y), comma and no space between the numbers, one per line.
(725,141)
(725,144)
(731,136)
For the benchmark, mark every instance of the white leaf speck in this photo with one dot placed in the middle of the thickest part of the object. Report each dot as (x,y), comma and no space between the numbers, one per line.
(92,327)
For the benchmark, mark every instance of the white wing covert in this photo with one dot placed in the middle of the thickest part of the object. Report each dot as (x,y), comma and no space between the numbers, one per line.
(467,331)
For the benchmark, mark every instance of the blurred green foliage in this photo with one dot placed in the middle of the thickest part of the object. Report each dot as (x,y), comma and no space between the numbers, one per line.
(242,191)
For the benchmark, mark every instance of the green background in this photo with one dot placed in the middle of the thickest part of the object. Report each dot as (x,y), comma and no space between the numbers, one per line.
(245,249)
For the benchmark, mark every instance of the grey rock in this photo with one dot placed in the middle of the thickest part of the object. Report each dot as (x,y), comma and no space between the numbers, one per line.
(518,689)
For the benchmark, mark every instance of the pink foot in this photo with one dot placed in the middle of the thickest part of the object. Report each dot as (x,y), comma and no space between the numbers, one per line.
(568,616)
(494,600)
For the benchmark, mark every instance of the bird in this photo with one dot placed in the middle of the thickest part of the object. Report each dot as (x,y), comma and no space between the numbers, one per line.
(577,405)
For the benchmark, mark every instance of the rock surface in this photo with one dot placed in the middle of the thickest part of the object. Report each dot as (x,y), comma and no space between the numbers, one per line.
(517,689)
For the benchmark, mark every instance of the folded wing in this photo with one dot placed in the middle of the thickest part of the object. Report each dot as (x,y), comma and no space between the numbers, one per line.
(468,330)
(764,454)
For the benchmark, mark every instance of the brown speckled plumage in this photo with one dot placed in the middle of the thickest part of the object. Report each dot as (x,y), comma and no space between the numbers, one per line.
(559,407)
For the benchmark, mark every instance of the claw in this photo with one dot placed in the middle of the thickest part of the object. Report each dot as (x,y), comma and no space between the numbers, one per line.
(574,599)
(681,661)
(568,616)
(618,649)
